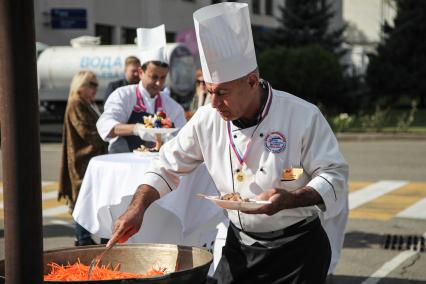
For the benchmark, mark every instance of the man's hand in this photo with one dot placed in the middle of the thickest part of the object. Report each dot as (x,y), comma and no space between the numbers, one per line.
(130,222)
(126,226)
(282,199)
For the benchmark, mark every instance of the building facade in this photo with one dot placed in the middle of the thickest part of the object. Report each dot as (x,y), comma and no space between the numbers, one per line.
(115,22)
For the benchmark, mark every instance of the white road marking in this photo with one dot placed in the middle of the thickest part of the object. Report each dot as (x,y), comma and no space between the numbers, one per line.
(415,211)
(49,212)
(373,191)
(69,224)
(389,266)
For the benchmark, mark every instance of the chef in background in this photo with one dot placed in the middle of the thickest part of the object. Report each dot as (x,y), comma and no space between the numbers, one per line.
(248,137)
(131,76)
(121,123)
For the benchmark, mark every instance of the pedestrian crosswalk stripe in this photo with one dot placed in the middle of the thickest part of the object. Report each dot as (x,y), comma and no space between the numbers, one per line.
(373,191)
(54,211)
(416,211)
(389,205)
(357,185)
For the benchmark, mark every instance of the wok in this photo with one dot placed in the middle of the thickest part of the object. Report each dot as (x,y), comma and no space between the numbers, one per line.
(184,264)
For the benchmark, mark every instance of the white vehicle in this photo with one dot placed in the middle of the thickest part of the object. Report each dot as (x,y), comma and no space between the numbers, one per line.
(56,65)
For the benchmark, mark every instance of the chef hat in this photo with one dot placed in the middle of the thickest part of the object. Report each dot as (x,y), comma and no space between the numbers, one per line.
(225,41)
(152,44)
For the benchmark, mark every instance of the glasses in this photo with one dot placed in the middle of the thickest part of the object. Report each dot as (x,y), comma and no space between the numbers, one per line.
(93,84)
(201,82)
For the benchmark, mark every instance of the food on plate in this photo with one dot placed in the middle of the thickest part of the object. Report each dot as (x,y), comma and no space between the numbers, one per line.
(291,174)
(235,196)
(143,149)
(159,120)
(79,271)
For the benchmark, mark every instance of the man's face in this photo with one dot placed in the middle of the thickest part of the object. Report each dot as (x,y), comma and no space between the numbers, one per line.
(153,78)
(131,73)
(233,100)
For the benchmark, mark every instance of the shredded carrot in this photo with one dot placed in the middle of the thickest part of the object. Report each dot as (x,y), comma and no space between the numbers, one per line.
(79,271)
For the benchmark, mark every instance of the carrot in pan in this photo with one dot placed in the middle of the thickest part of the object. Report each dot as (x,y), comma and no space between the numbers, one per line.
(79,271)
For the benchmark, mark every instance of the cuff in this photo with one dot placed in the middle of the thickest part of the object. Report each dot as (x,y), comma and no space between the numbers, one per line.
(322,184)
(158,182)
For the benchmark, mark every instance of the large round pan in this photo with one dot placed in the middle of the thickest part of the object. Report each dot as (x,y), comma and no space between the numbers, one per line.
(184,264)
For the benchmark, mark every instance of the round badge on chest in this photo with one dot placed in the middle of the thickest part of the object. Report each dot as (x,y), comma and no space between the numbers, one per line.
(275,142)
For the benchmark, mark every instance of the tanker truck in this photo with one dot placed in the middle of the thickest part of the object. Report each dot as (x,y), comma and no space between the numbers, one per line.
(56,65)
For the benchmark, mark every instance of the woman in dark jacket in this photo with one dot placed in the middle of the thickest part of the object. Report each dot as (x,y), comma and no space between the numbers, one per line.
(80,142)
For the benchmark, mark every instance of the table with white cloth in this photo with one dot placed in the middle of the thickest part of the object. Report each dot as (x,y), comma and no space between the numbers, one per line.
(180,217)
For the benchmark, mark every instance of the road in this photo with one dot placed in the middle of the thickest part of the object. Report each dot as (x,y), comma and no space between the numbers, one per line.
(387,196)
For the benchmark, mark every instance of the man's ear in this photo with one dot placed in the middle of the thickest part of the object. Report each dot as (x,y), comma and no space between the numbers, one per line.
(253,80)
(140,72)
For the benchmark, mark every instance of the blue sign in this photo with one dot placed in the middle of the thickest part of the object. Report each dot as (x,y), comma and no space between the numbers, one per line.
(72,18)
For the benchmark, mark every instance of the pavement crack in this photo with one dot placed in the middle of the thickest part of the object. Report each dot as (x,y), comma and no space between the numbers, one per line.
(404,269)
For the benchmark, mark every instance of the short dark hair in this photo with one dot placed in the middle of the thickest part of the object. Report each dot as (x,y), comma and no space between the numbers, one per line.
(156,63)
(131,60)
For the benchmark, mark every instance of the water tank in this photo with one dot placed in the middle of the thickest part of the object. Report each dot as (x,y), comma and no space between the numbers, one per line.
(57,65)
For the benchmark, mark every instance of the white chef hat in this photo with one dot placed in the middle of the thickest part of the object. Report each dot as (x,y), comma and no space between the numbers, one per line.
(225,41)
(152,44)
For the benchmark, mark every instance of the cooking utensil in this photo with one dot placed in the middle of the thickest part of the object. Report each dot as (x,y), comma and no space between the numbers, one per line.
(97,260)
(192,263)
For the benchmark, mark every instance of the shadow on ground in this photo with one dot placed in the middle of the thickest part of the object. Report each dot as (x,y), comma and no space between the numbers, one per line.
(358,239)
(343,279)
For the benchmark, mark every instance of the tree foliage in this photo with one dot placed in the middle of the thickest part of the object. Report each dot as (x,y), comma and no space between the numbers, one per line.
(307,22)
(309,72)
(399,67)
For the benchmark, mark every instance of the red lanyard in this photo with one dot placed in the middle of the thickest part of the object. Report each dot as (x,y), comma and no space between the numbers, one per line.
(242,157)
(140,106)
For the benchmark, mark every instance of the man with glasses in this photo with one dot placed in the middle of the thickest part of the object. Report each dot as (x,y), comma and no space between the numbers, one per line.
(201,96)
(121,124)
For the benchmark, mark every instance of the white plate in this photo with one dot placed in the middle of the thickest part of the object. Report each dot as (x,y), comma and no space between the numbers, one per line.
(238,205)
(160,130)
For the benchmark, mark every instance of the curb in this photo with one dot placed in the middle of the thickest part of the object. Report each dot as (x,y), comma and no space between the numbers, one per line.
(380,137)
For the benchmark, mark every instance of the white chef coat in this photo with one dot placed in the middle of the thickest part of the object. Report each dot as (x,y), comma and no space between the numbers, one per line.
(310,143)
(119,107)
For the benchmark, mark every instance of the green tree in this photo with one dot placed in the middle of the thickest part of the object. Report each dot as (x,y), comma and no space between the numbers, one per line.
(399,67)
(309,72)
(307,22)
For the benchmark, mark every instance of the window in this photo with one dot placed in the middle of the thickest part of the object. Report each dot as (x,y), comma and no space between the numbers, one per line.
(170,36)
(104,32)
(255,6)
(128,35)
(268,7)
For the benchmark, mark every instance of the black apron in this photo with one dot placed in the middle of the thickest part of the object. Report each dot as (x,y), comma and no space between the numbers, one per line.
(134,141)
(302,260)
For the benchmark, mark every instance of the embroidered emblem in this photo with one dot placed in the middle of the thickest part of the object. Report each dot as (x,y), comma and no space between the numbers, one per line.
(275,142)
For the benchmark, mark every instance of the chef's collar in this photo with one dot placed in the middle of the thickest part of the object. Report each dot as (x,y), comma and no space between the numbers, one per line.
(238,123)
(148,101)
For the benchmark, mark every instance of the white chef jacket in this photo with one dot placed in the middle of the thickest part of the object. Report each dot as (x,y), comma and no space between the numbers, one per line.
(310,144)
(119,107)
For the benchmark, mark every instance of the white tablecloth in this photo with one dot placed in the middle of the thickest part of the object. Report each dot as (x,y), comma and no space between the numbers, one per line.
(179,217)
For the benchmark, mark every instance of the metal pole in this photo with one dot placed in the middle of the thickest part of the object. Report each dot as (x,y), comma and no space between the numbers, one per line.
(20,143)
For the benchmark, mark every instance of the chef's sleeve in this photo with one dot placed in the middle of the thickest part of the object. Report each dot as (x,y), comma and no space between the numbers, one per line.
(322,159)
(178,157)
(117,110)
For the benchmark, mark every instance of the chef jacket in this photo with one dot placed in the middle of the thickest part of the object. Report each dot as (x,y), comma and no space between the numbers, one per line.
(307,141)
(119,107)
